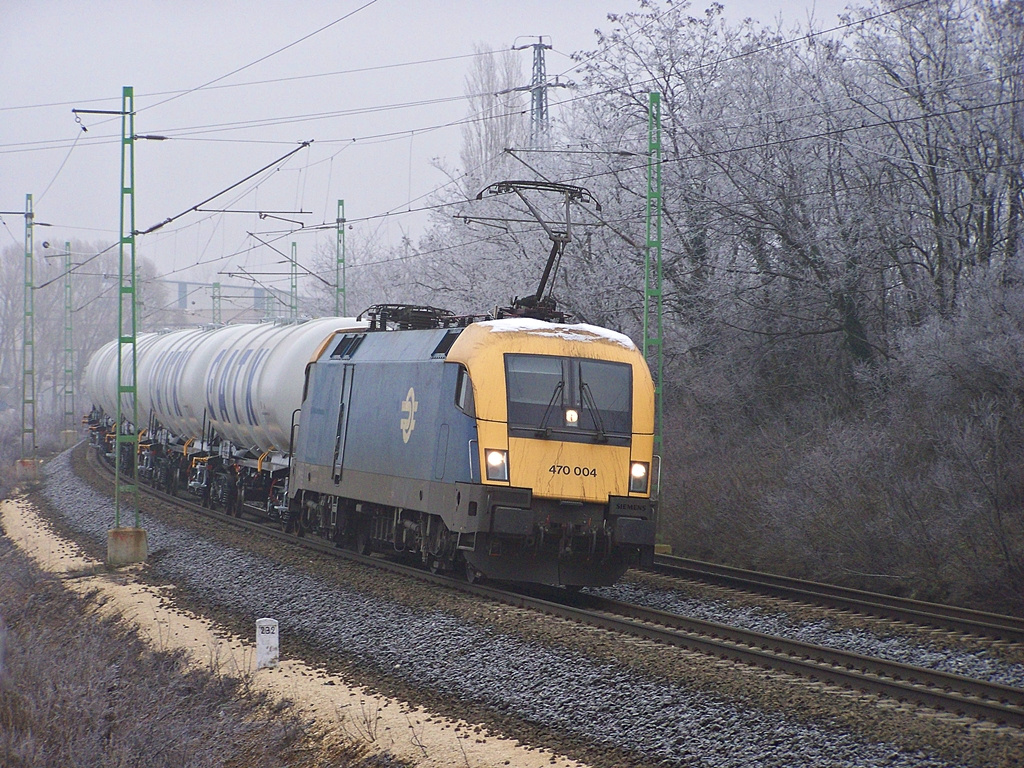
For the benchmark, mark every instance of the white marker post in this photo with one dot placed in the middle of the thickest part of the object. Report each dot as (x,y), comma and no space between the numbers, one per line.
(266,643)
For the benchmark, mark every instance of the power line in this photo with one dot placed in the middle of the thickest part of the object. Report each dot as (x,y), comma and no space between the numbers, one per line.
(190,132)
(763,49)
(406,132)
(269,81)
(691,156)
(805,137)
(302,39)
(790,113)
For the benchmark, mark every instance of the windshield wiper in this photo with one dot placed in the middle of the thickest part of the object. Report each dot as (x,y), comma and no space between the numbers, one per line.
(543,430)
(588,401)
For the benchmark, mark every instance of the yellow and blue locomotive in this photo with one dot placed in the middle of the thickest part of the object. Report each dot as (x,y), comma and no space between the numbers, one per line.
(517,449)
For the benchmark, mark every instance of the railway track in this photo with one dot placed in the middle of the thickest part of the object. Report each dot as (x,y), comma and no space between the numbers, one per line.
(939,690)
(949,693)
(992,625)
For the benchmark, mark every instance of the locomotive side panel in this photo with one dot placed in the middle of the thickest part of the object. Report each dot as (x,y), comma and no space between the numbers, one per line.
(393,422)
(380,447)
(389,443)
(318,426)
(458,426)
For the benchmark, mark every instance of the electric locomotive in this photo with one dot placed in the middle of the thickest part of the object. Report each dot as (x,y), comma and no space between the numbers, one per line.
(517,449)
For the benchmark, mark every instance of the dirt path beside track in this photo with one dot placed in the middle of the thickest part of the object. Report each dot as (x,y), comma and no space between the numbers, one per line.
(411,734)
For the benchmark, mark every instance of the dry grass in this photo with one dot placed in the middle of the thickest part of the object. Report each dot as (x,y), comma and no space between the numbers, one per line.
(77,689)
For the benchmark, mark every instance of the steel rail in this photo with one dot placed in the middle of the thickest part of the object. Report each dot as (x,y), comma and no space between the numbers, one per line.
(1008,628)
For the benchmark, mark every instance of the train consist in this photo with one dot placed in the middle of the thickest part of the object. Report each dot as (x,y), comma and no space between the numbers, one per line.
(515,449)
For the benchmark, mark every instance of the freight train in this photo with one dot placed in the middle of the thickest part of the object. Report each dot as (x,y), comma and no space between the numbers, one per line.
(515,449)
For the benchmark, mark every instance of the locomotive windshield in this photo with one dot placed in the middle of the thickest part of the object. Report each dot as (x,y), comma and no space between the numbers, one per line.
(568,398)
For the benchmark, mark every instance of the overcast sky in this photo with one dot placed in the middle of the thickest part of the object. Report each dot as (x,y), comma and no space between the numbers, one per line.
(235,85)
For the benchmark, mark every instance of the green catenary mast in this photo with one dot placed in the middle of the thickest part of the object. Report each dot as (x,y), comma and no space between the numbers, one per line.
(28,345)
(293,294)
(215,300)
(127,307)
(69,350)
(340,303)
(653,335)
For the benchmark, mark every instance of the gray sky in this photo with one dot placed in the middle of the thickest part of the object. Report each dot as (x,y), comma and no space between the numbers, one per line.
(55,56)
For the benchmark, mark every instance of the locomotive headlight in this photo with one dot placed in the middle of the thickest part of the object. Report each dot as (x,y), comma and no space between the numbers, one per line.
(571,416)
(638,477)
(497,465)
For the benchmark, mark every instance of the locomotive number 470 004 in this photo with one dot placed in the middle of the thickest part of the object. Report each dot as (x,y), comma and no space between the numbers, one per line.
(564,469)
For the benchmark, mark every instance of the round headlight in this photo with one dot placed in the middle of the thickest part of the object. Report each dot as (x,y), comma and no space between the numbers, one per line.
(571,416)
(495,458)
(639,470)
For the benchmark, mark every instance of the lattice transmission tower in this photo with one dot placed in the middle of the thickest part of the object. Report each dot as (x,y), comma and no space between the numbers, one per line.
(539,121)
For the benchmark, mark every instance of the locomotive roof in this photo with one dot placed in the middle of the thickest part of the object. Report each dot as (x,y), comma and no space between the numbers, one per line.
(485,342)
(581,332)
(478,340)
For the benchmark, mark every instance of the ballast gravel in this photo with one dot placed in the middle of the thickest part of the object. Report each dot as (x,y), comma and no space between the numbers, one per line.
(574,698)
(979,665)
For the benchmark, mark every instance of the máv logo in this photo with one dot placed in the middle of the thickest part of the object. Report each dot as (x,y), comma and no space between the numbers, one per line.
(408,423)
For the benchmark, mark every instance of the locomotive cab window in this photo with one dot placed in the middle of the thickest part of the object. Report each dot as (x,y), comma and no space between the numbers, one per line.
(464,393)
(565,398)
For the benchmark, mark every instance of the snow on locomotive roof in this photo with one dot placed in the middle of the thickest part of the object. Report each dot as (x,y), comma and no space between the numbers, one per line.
(576,332)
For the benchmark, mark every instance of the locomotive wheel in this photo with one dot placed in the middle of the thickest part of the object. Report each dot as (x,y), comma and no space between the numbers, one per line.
(473,576)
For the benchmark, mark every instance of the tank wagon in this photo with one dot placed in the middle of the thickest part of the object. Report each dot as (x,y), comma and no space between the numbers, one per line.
(515,449)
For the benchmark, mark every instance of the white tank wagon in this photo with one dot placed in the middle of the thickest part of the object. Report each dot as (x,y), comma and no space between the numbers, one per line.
(101,374)
(245,381)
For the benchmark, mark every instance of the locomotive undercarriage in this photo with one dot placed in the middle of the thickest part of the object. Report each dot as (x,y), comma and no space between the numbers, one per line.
(566,547)
(365,527)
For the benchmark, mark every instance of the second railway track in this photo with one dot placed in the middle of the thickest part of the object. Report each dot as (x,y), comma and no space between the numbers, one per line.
(949,617)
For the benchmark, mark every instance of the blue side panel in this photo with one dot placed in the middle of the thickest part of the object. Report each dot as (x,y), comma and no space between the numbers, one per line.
(392,423)
(441,451)
(401,346)
(461,430)
(401,416)
(318,428)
